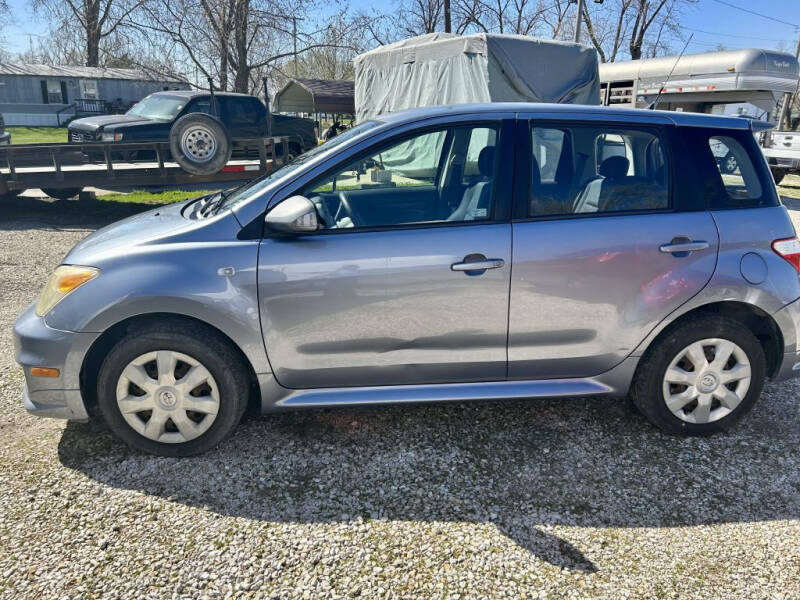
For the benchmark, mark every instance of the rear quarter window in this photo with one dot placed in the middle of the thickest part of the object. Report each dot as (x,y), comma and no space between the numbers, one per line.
(731,171)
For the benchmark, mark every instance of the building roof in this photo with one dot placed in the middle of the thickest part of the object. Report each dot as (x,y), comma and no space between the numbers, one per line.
(305,95)
(84,72)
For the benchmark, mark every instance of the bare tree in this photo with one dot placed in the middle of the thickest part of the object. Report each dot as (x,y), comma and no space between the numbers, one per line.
(91,22)
(238,42)
(638,26)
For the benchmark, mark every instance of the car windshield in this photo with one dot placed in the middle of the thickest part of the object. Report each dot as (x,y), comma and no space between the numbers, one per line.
(261,183)
(161,108)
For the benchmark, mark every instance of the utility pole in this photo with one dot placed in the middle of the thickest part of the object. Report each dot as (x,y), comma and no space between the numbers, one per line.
(578,20)
(448,24)
(294,41)
(785,118)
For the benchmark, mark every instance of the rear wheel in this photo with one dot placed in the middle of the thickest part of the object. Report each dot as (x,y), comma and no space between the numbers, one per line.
(701,377)
(171,391)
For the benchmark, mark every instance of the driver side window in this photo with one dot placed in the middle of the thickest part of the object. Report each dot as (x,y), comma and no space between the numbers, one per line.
(443,175)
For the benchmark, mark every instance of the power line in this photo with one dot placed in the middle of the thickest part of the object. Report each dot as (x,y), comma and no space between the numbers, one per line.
(758,14)
(733,35)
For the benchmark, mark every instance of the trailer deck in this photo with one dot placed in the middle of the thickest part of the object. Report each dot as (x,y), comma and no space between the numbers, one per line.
(70,166)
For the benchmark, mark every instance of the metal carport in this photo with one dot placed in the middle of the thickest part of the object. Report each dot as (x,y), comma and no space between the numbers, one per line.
(315,97)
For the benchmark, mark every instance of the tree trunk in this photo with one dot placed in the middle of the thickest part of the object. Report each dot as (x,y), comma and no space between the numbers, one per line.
(241,65)
(92,20)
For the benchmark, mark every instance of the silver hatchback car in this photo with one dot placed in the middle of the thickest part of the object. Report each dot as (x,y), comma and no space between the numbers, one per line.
(442,254)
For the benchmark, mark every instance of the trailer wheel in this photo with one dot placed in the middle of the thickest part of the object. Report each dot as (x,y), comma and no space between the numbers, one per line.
(200,144)
(62,193)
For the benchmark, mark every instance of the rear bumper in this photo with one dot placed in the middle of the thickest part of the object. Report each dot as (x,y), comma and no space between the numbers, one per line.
(788,320)
(37,345)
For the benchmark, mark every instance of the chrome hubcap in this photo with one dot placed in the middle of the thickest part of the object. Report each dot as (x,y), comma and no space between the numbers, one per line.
(706,381)
(199,144)
(167,396)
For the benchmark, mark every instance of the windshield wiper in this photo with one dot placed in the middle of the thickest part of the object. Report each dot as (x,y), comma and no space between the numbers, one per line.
(212,203)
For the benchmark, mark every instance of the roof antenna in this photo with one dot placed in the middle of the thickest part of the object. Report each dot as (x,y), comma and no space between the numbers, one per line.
(666,81)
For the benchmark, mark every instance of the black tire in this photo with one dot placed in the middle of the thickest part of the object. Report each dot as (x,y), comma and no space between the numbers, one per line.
(202,344)
(728,164)
(62,193)
(778,175)
(647,393)
(200,144)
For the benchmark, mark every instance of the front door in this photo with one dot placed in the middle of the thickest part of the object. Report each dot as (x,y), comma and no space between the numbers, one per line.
(601,252)
(408,280)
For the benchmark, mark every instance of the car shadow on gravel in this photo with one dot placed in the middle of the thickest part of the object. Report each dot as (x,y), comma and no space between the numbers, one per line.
(526,467)
(26,212)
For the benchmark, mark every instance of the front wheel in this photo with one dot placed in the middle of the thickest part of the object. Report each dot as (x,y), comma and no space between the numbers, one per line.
(701,377)
(170,391)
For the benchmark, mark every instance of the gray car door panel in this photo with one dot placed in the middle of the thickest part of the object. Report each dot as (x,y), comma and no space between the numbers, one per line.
(385,307)
(586,291)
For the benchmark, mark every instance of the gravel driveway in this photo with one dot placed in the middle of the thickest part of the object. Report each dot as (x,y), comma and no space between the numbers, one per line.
(539,499)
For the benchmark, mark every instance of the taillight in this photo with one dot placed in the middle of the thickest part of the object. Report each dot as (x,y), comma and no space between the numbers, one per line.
(789,250)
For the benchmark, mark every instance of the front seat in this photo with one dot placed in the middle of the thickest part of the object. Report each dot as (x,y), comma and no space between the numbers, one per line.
(477,198)
(595,194)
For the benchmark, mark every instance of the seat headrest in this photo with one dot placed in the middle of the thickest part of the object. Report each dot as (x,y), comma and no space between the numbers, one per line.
(486,161)
(614,167)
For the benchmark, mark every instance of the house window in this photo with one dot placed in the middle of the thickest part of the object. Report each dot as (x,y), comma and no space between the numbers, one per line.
(89,89)
(53,92)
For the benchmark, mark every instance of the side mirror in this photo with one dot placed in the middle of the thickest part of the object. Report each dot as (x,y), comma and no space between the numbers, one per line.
(296,214)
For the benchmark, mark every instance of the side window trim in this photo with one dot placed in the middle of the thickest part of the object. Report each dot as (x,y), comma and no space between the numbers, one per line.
(525,126)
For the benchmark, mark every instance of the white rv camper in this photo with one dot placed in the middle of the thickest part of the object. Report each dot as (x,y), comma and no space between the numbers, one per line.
(702,83)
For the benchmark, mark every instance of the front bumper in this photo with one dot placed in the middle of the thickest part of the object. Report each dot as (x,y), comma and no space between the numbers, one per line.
(37,345)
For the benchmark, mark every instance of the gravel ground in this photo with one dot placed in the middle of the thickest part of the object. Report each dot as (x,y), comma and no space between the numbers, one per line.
(544,499)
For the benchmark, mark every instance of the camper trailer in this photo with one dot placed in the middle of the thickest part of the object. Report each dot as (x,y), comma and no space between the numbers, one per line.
(703,83)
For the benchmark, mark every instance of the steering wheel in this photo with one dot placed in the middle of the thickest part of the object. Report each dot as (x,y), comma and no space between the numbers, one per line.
(344,203)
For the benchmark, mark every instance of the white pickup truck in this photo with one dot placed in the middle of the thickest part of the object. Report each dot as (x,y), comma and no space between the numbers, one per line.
(782,150)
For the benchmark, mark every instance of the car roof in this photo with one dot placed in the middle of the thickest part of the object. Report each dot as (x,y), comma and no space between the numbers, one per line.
(195,93)
(685,119)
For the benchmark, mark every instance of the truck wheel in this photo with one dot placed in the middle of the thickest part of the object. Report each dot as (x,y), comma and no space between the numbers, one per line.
(729,164)
(778,175)
(62,193)
(200,144)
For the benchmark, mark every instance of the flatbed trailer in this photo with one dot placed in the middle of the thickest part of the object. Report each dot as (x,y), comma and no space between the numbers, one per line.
(69,168)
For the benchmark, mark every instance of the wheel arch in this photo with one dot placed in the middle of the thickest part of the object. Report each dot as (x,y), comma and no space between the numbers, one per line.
(109,338)
(758,321)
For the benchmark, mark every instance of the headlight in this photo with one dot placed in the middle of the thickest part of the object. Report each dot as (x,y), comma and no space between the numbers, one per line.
(64,280)
(112,137)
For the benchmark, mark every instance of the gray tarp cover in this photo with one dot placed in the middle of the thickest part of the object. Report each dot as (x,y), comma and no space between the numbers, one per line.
(442,68)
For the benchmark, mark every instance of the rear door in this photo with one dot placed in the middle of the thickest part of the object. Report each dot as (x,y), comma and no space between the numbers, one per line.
(605,244)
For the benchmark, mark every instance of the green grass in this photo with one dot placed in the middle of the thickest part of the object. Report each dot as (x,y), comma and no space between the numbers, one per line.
(790,186)
(145,197)
(38,135)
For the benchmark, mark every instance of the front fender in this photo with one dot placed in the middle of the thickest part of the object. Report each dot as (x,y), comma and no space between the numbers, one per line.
(212,282)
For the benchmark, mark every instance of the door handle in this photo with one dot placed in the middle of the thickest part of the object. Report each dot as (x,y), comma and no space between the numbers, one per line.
(685,248)
(479,265)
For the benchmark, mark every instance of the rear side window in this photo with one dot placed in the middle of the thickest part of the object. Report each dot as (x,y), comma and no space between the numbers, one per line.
(597,169)
(730,170)
(739,177)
